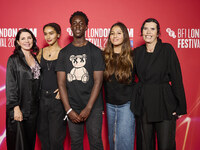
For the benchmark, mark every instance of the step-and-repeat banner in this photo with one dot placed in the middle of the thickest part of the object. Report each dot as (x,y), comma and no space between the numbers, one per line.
(180,26)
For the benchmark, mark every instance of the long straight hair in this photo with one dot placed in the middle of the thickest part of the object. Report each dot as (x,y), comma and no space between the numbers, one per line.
(121,66)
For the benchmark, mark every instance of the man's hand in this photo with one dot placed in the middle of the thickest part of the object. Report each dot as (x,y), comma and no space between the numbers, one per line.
(74,117)
(85,113)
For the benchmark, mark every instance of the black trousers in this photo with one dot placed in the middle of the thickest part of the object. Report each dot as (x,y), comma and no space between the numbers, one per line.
(21,135)
(148,132)
(94,129)
(51,127)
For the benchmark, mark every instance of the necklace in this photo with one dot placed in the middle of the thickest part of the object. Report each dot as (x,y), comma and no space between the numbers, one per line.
(49,53)
(49,65)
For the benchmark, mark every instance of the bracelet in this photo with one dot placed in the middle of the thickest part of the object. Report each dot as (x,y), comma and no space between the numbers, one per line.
(66,117)
(69,111)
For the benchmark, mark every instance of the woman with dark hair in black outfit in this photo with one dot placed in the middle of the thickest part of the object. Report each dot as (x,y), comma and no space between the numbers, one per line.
(22,84)
(51,127)
(159,97)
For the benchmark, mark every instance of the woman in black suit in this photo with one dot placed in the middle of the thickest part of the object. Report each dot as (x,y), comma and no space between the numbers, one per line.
(22,84)
(159,94)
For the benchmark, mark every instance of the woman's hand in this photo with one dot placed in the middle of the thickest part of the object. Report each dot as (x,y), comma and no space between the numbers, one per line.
(57,95)
(17,114)
(174,114)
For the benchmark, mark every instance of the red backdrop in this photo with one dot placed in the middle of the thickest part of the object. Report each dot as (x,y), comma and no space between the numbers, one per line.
(180,26)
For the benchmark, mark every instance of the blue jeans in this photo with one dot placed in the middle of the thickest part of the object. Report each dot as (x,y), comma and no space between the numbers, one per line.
(121,126)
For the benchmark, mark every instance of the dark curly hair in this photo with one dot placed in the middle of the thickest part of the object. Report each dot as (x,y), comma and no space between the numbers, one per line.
(79,13)
(151,20)
(34,48)
(55,26)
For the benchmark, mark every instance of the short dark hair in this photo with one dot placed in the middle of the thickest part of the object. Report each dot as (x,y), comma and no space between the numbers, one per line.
(55,26)
(34,48)
(79,13)
(151,20)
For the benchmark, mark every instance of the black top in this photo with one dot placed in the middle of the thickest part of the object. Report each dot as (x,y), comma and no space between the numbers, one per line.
(79,63)
(49,78)
(160,90)
(117,93)
(147,58)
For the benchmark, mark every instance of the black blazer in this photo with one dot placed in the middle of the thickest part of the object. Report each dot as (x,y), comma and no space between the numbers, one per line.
(160,90)
(21,88)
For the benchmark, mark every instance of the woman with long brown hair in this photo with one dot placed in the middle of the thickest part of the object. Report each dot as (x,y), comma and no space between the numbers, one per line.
(118,87)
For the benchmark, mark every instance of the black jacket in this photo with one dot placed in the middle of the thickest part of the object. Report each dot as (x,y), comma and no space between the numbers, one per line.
(160,90)
(21,88)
